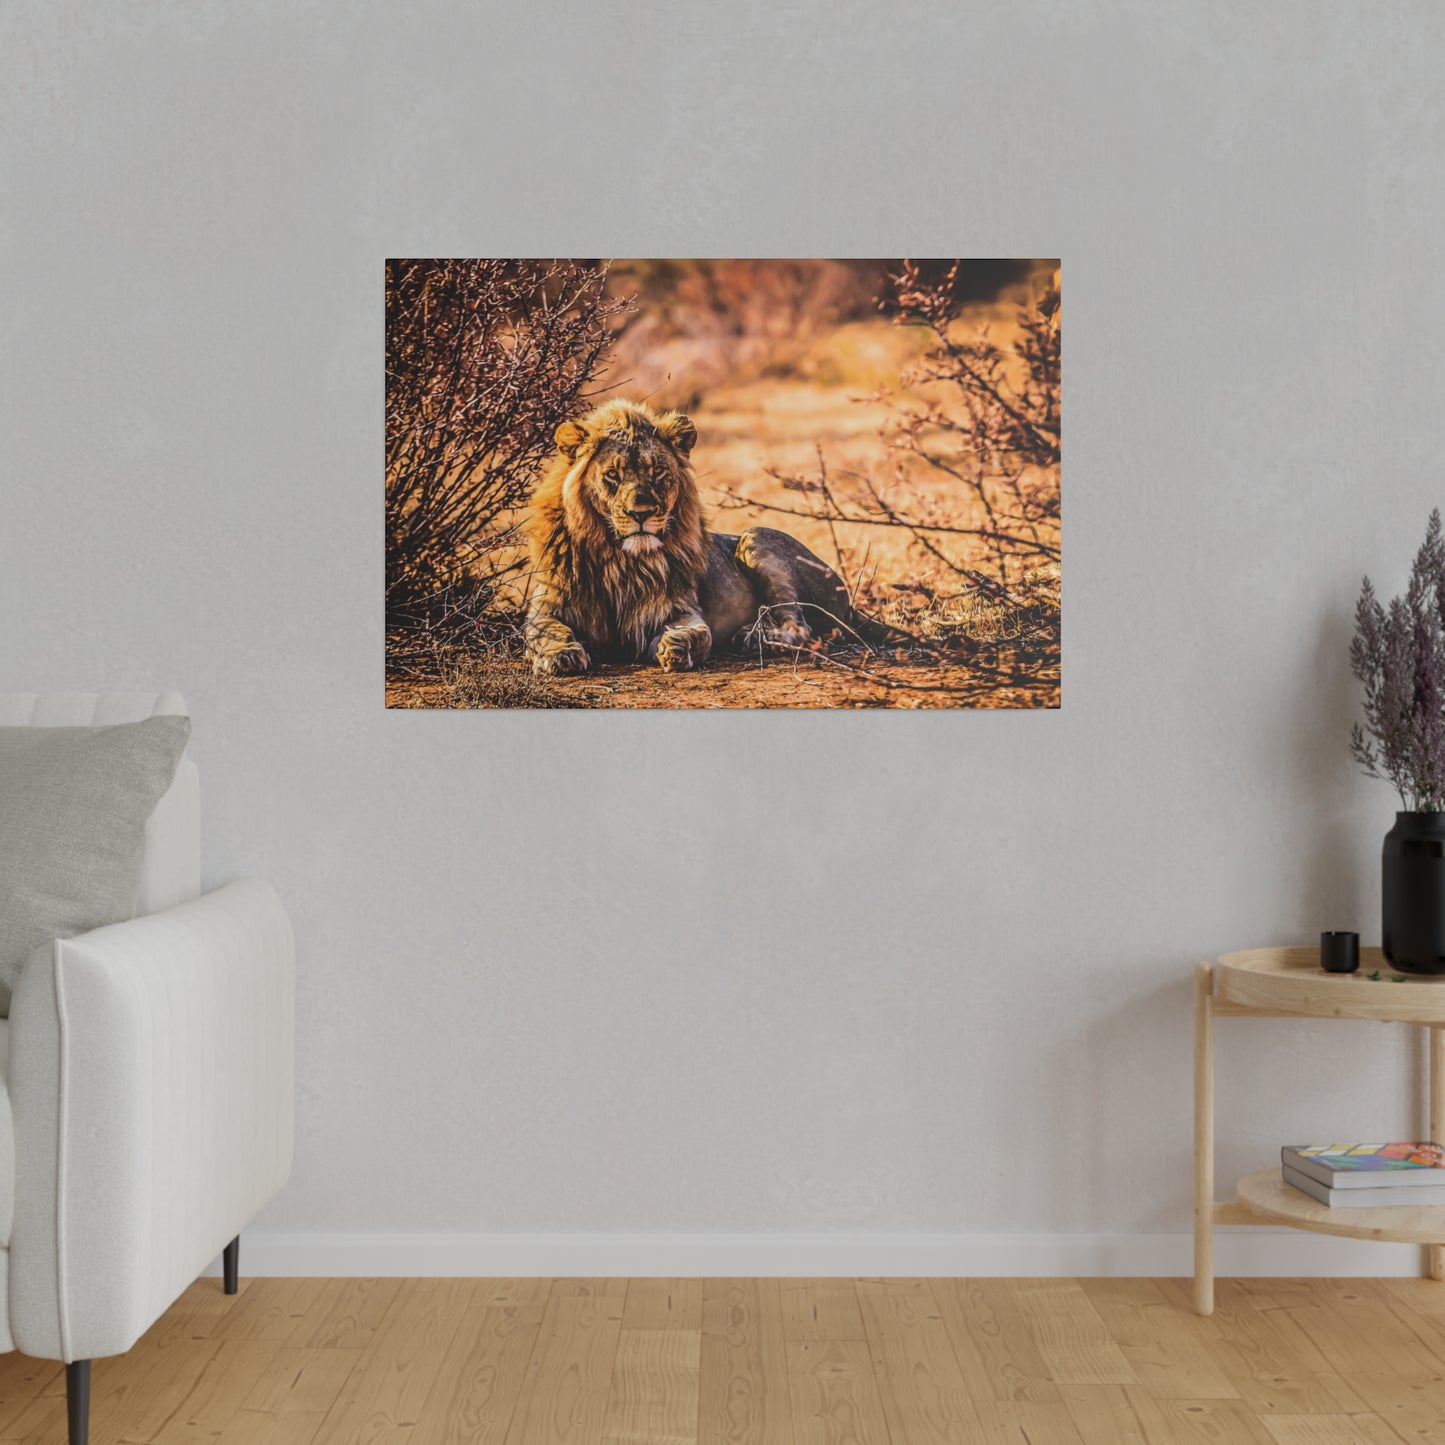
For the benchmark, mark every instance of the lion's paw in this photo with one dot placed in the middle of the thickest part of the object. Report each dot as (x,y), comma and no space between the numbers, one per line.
(681,649)
(791,634)
(572,657)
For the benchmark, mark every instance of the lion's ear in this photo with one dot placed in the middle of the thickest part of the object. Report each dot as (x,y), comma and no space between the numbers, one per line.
(569,436)
(679,430)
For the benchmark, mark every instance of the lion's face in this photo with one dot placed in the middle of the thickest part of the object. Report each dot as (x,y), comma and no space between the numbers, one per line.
(630,472)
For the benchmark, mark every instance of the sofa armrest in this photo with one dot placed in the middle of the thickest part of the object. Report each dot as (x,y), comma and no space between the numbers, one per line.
(151,1081)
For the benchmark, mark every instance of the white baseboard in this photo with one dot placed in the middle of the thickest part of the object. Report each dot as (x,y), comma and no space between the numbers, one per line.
(1240,1252)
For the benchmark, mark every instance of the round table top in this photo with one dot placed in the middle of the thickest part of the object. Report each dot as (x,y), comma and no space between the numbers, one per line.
(1290,980)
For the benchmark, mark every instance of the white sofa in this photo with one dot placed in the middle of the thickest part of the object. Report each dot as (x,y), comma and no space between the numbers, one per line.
(148,1075)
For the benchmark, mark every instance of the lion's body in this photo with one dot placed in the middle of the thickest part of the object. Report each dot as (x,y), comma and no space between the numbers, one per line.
(763,576)
(624,567)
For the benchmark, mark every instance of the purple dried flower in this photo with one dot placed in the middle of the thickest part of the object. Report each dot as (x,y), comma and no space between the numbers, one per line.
(1399,656)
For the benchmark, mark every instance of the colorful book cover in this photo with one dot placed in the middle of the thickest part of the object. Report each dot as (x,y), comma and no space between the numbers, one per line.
(1364,1158)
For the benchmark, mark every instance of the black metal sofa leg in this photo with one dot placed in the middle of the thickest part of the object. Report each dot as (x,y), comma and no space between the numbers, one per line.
(77,1374)
(77,1401)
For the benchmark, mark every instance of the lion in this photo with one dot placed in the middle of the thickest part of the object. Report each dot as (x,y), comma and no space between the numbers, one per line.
(625,567)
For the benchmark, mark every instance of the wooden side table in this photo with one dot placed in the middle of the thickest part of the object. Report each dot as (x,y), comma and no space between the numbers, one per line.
(1289,983)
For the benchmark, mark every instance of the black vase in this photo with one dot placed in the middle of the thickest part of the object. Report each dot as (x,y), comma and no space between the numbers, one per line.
(1414,893)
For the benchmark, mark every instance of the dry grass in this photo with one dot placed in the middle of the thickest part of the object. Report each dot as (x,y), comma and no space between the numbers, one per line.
(841,678)
(937,608)
(450,674)
(483,680)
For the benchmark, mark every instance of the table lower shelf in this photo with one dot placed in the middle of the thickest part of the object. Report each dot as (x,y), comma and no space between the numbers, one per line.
(1267,1196)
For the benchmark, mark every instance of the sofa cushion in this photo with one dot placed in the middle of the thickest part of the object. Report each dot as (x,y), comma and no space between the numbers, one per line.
(73,809)
(171,873)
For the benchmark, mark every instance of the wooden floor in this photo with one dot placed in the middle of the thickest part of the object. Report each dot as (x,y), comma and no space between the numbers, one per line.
(765,1362)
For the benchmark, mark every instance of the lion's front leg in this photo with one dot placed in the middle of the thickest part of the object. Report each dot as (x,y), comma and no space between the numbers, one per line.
(683,644)
(553,648)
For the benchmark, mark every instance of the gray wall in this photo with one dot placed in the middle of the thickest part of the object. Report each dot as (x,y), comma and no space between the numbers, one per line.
(747,972)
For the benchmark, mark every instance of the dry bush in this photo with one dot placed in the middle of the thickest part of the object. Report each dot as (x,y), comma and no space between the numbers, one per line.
(992,423)
(483,359)
(974,460)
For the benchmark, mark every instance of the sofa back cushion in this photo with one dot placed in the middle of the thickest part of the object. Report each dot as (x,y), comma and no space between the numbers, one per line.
(74,804)
(171,872)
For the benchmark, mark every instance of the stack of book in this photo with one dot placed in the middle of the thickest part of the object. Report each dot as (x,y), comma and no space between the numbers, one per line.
(1367,1176)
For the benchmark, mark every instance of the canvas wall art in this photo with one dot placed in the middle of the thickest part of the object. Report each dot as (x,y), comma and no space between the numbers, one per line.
(723,483)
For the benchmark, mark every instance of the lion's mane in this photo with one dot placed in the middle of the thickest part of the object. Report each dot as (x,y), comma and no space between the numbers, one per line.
(616,593)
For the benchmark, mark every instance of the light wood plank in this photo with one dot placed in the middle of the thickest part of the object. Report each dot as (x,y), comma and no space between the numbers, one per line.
(1276,1293)
(478,1387)
(1266,1306)
(654,1388)
(1413,1407)
(1410,1345)
(44,1421)
(834,1394)
(821,1309)
(594,1288)
(1073,1340)
(925,1397)
(43,1417)
(1165,1348)
(191,1327)
(206,1297)
(271,1309)
(177,1369)
(996,1351)
(399,1366)
(1418,1296)
(921,1289)
(1267,1374)
(289,1401)
(1330,1430)
(1417,1305)
(1200,1422)
(513,1291)
(743,1377)
(346,1315)
(1028,1422)
(125,1400)
(570,1375)
(944,1362)
(1334,1334)
(663,1304)
(1105,1414)
(22,1381)
(229,1377)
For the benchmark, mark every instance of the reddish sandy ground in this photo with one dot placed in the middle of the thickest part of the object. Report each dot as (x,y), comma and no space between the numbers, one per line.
(738,683)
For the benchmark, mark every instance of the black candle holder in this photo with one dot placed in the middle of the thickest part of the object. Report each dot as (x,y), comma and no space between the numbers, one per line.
(1340,952)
